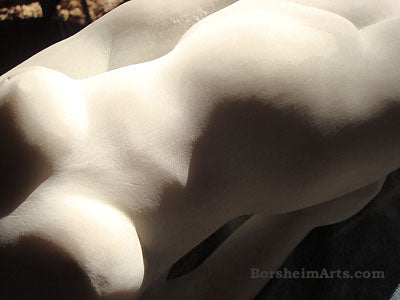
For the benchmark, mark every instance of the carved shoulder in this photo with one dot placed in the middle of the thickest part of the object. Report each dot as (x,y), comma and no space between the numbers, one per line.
(47,105)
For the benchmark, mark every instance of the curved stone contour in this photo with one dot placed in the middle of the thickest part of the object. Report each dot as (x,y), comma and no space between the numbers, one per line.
(262,107)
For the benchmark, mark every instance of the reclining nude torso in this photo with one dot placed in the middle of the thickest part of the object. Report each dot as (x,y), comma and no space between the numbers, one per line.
(262,107)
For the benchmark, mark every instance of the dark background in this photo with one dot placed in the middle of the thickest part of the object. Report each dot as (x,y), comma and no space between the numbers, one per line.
(22,38)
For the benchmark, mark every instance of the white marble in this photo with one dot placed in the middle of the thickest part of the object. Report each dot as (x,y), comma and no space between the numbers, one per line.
(156,140)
